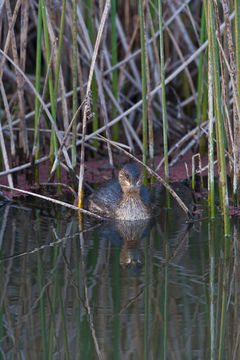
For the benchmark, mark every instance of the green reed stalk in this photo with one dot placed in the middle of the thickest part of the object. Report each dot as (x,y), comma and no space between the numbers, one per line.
(90,21)
(144,86)
(54,145)
(149,106)
(210,132)
(114,62)
(74,104)
(163,93)
(219,117)
(59,55)
(60,41)
(200,68)
(201,87)
(38,86)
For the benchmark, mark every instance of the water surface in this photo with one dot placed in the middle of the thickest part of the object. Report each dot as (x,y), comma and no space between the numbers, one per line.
(159,289)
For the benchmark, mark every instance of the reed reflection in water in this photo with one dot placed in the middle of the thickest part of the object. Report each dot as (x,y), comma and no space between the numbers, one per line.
(155,289)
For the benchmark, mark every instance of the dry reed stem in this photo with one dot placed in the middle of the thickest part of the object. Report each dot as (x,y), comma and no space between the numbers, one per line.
(180,54)
(57,202)
(24,166)
(236,113)
(84,122)
(178,145)
(8,38)
(64,140)
(103,108)
(9,120)
(171,77)
(20,83)
(43,104)
(128,49)
(155,48)
(5,156)
(154,91)
(126,123)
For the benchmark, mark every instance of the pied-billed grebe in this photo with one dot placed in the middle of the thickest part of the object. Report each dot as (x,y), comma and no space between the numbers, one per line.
(124,198)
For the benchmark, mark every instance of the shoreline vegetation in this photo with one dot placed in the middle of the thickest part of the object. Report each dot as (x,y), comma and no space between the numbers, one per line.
(82,81)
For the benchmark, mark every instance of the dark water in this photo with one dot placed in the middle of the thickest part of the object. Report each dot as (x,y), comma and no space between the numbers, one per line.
(160,289)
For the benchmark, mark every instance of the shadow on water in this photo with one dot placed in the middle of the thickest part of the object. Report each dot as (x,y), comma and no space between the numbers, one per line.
(153,289)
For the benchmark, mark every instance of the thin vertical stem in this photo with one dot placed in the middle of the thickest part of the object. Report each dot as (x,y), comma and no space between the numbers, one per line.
(59,48)
(144,87)
(38,85)
(210,128)
(90,20)
(163,94)
(86,107)
(219,118)
(114,62)
(54,145)
(74,105)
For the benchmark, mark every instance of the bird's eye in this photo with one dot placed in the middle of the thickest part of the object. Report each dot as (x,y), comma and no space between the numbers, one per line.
(139,182)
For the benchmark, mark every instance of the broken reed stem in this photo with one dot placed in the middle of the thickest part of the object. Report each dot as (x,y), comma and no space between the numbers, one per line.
(86,107)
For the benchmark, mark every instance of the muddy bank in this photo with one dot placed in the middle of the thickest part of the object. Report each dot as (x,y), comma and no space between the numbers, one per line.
(96,171)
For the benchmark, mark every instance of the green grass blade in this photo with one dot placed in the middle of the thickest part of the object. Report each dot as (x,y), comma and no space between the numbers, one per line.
(219,117)
(54,145)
